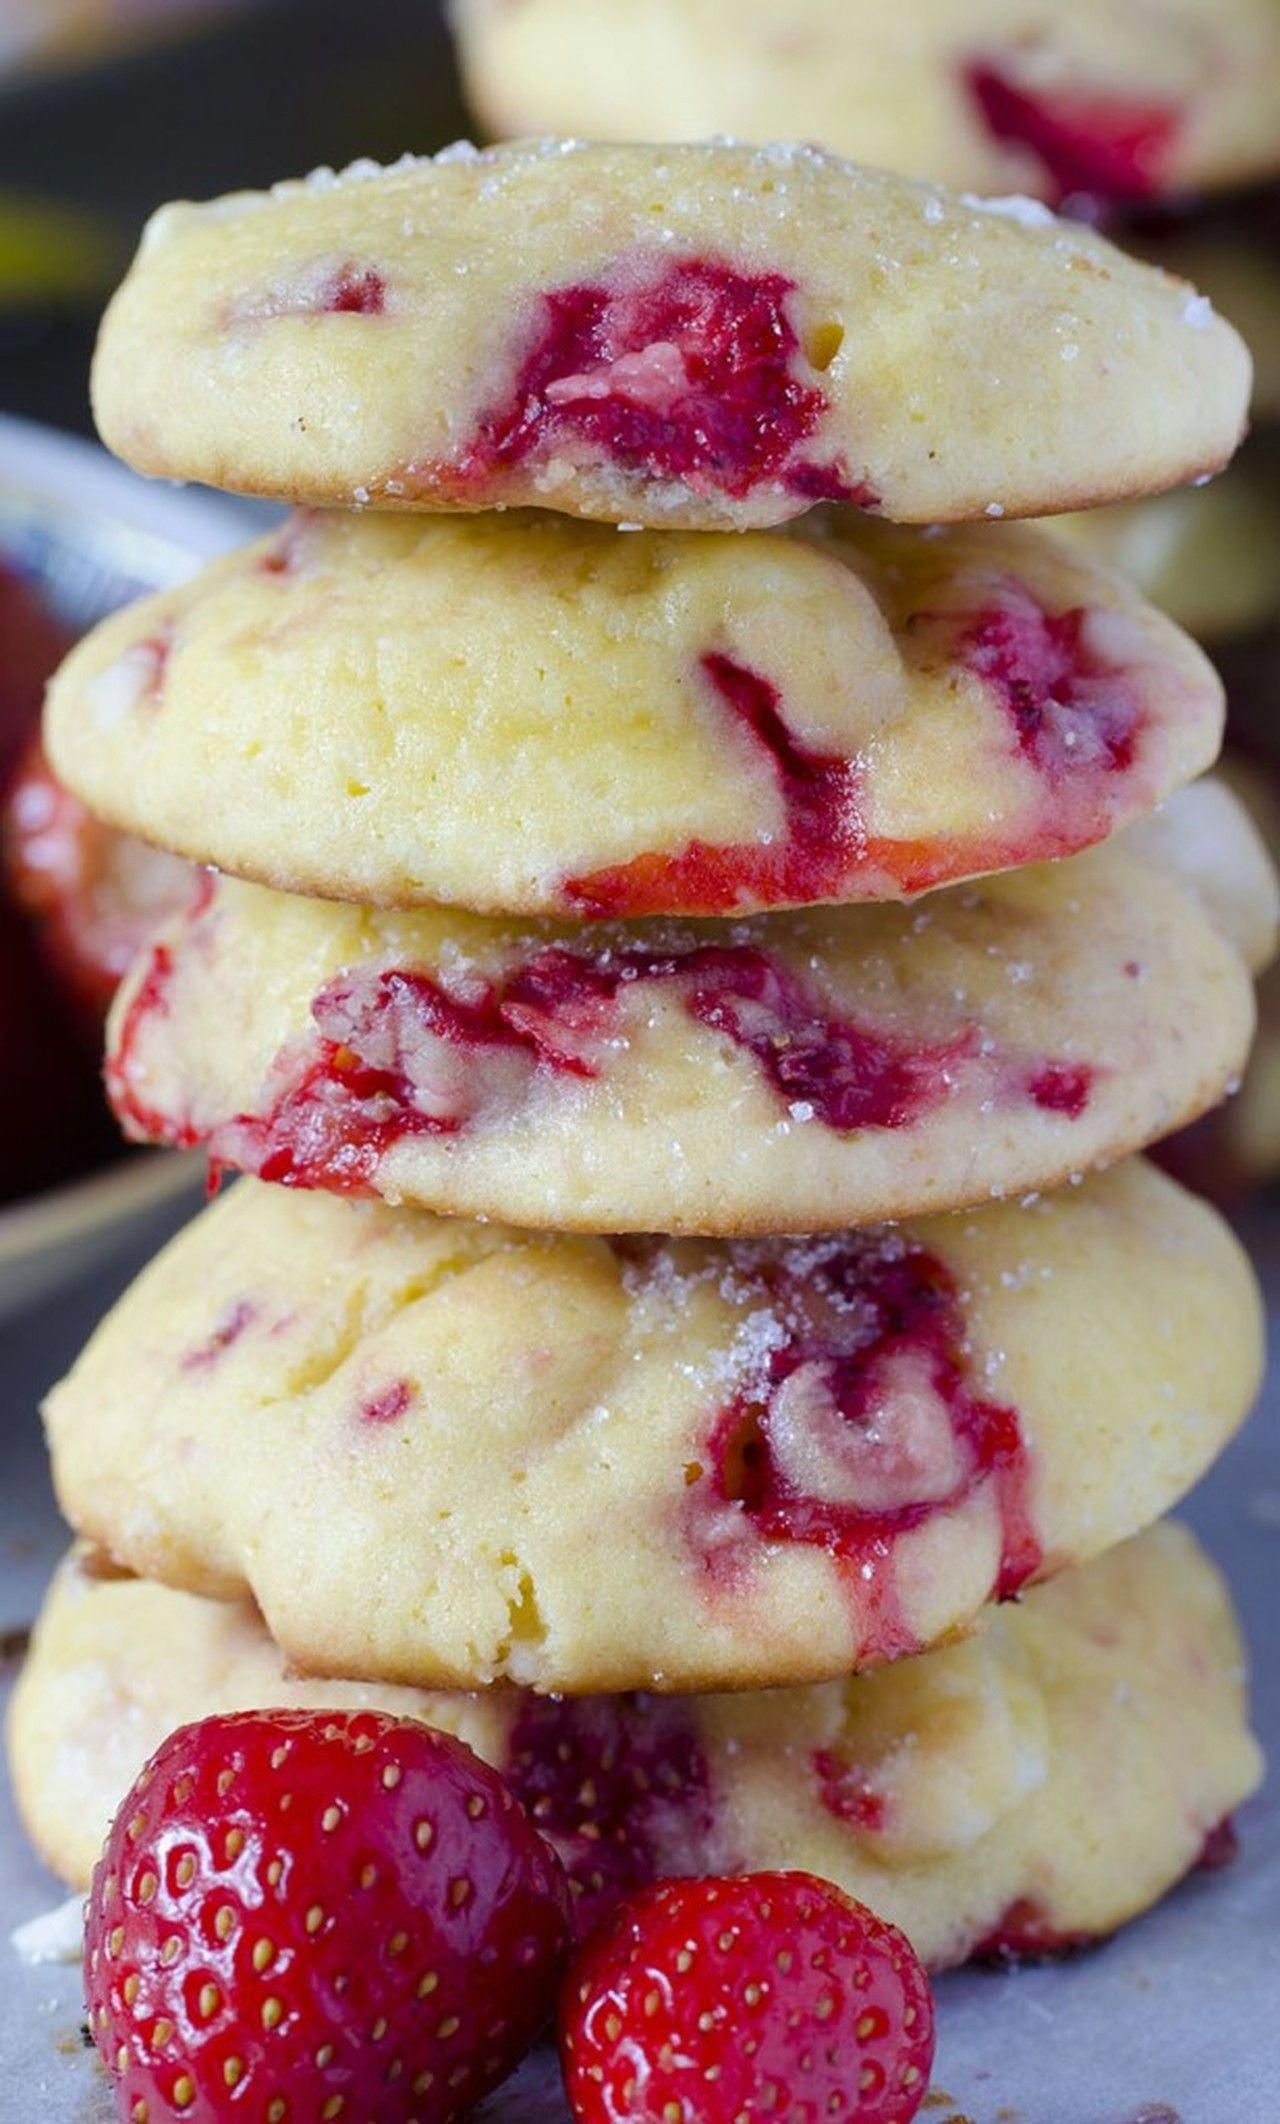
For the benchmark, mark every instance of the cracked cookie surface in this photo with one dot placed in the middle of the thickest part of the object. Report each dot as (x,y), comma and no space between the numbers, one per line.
(404,1435)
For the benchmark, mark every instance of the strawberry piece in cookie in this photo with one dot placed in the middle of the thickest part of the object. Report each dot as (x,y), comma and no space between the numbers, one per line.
(861,1422)
(683,370)
(395,1055)
(809,1070)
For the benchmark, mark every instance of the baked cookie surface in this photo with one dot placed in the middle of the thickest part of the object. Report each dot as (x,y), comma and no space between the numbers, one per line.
(523,713)
(957,1794)
(1233,255)
(1207,556)
(797,1072)
(708,336)
(1113,106)
(404,1435)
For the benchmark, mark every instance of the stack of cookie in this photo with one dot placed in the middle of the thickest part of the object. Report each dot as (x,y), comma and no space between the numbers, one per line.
(561,963)
(1162,122)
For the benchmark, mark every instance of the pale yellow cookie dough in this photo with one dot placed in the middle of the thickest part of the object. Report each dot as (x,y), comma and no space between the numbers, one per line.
(449,1453)
(1237,264)
(795,1072)
(703,335)
(1045,1781)
(523,713)
(1190,88)
(1208,556)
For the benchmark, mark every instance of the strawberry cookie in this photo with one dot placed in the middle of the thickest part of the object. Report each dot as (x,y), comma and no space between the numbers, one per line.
(793,1072)
(403,1435)
(955,1794)
(660,723)
(1098,106)
(1208,556)
(1234,255)
(708,336)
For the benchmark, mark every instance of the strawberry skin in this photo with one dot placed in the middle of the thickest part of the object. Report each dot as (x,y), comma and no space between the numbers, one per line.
(767,1996)
(300,1917)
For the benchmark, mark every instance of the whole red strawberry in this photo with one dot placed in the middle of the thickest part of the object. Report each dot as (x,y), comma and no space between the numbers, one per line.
(768,1996)
(304,1916)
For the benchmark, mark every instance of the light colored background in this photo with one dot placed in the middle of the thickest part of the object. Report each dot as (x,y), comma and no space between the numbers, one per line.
(1183,2010)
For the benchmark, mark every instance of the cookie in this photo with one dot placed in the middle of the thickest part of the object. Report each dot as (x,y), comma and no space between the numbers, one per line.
(1088,103)
(647,723)
(1208,556)
(958,1793)
(1216,841)
(404,1436)
(1234,255)
(1235,1148)
(709,336)
(796,1072)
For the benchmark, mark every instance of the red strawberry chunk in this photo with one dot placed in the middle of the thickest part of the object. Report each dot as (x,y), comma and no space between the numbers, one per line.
(723,2001)
(311,1916)
(672,369)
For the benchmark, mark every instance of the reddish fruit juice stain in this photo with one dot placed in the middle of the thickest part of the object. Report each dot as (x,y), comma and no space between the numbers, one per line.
(848,1792)
(398,1057)
(675,369)
(394,1055)
(1023,1933)
(1073,714)
(378,1073)
(391,1404)
(150,1000)
(820,846)
(354,291)
(226,1334)
(861,1425)
(1221,1846)
(1062,1088)
(619,1785)
(1104,151)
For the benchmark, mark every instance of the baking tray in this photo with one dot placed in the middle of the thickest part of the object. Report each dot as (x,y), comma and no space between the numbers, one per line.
(1177,2021)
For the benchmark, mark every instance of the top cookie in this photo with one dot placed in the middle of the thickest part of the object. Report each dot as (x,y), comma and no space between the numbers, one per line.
(707,336)
(1114,105)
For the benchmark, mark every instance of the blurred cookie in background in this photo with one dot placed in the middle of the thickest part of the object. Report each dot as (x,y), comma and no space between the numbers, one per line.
(1231,250)
(1235,1150)
(58,32)
(1209,556)
(1092,106)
